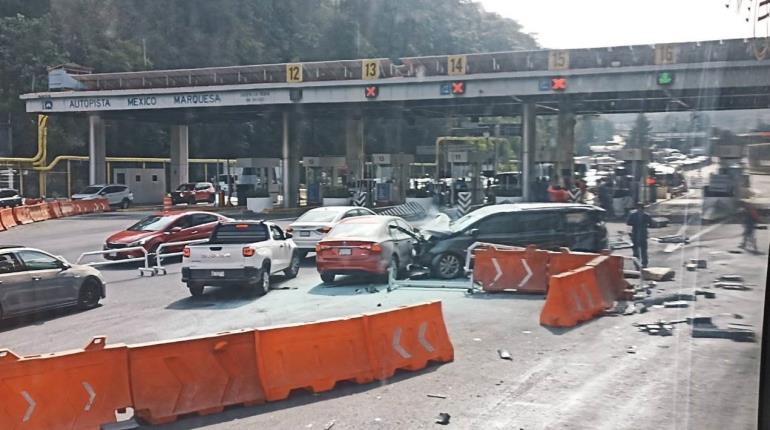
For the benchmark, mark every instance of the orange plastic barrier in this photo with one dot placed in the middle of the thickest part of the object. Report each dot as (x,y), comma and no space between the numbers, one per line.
(609,278)
(39,212)
(200,375)
(22,215)
(314,356)
(522,270)
(54,210)
(104,205)
(7,218)
(67,208)
(564,261)
(71,390)
(407,338)
(2,227)
(573,297)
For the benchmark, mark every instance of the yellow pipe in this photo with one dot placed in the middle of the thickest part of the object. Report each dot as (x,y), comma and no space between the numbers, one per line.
(118,160)
(42,134)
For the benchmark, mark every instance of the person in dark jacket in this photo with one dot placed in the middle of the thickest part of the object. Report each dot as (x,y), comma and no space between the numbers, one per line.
(750,220)
(639,220)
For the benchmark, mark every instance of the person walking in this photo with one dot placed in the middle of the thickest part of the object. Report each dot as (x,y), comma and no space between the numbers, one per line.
(639,220)
(750,220)
(557,194)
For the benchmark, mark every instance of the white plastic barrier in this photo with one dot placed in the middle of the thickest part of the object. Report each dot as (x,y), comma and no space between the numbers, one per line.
(116,251)
(158,269)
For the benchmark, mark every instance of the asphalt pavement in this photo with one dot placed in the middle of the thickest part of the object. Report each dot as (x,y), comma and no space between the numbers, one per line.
(580,378)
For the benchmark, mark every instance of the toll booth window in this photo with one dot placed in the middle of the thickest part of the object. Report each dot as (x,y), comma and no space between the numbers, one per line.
(154,178)
(120,178)
(138,178)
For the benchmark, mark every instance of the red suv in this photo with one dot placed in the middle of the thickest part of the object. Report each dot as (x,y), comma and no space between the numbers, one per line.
(159,228)
(194,192)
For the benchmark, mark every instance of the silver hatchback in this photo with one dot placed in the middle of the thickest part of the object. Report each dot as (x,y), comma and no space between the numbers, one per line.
(32,280)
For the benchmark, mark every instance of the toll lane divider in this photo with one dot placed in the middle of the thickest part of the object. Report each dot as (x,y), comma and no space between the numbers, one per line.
(42,211)
(162,380)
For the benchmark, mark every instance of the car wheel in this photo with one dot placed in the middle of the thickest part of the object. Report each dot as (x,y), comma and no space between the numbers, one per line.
(211,199)
(89,294)
(125,204)
(196,288)
(293,269)
(447,266)
(327,277)
(393,268)
(263,284)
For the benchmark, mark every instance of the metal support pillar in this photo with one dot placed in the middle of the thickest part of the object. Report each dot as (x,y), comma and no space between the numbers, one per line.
(290,159)
(180,168)
(566,144)
(354,147)
(97,150)
(528,142)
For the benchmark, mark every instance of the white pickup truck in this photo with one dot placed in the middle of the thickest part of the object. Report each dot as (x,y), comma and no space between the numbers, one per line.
(240,253)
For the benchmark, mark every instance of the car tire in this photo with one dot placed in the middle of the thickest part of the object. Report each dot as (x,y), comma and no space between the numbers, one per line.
(293,269)
(125,204)
(196,288)
(263,283)
(90,294)
(328,277)
(447,266)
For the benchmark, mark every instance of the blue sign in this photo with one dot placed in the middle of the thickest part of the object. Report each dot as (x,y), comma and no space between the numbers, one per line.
(544,84)
(446,89)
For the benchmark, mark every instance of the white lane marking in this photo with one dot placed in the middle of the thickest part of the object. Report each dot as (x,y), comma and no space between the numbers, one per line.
(529,273)
(422,339)
(31,408)
(497,269)
(91,395)
(397,344)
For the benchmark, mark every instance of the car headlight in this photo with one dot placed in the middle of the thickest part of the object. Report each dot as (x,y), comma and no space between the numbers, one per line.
(139,242)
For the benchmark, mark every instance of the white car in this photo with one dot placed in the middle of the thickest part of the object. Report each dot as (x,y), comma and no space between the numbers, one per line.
(116,195)
(313,225)
(240,253)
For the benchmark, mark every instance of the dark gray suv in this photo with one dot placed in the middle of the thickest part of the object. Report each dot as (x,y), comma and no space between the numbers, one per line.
(578,227)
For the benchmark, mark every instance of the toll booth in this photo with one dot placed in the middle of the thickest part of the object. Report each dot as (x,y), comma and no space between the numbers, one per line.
(147,185)
(464,171)
(261,173)
(392,173)
(323,172)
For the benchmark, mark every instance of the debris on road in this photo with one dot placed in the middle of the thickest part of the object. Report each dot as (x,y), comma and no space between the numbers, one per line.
(658,274)
(670,297)
(437,396)
(706,294)
(443,418)
(504,354)
(659,222)
(631,349)
(704,327)
(674,238)
(731,278)
(329,425)
(690,267)
(676,304)
(731,286)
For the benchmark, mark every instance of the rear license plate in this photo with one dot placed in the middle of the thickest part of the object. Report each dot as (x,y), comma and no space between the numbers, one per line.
(304,234)
(113,254)
(217,274)
(345,251)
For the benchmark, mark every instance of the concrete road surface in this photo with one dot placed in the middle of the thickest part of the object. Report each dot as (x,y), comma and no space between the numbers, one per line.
(580,378)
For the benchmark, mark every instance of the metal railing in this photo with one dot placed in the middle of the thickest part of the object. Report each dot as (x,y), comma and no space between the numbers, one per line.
(158,268)
(115,251)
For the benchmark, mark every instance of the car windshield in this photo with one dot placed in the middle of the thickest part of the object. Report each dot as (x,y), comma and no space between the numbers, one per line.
(319,215)
(356,229)
(91,190)
(8,193)
(153,223)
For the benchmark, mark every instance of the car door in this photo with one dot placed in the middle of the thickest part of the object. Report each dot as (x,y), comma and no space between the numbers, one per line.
(497,228)
(16,288)
(580,230)
(53,285)
(201,194)
(203,225)
(179,231)
(281,250)
(409,243)
(112,194)
(401,245)
(541,228)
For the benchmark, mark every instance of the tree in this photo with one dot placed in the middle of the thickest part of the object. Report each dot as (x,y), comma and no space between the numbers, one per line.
(639,137)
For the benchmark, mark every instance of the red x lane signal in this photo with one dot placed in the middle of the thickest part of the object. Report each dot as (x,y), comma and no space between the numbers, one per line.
(371,91)
(559,84)
(458,87)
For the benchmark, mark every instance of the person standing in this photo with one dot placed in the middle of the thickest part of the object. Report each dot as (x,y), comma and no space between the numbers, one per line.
(557,194)
(639,220)
(750,219)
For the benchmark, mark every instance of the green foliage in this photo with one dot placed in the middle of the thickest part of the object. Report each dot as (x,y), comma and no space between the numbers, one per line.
(639,137)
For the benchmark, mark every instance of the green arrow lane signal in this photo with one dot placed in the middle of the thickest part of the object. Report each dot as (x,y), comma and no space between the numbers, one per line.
(665,78)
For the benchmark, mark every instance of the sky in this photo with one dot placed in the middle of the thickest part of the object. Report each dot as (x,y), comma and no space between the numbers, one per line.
(596,23)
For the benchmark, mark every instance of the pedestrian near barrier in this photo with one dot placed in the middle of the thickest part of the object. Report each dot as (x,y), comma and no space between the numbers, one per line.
(750,220)
(640,221)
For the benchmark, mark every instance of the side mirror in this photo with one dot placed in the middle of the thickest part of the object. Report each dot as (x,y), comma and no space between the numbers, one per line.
(175,229)
(63,265)
(288,235)
(473,232)
(102,193)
